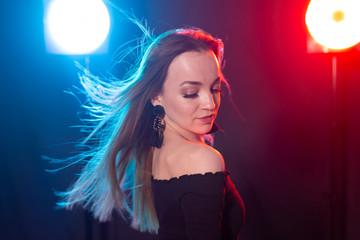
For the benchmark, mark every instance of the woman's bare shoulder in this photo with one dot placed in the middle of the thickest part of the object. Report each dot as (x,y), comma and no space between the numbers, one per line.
(188,158)
(198,158)
(204,158)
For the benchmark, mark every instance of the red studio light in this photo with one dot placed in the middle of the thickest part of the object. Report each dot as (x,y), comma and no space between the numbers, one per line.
(334,24)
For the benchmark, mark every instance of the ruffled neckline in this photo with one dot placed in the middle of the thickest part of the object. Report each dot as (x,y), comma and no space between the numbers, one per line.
(225,173)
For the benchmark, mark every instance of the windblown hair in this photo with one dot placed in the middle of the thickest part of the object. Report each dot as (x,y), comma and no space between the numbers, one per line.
(117,174)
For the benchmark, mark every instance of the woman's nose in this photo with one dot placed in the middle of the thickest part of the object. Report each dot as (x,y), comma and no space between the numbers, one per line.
(209,102)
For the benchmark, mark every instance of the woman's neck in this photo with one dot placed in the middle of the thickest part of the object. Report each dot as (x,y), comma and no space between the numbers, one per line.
(171,130)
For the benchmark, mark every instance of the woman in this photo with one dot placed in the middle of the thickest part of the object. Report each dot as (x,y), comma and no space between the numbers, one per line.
(151,160)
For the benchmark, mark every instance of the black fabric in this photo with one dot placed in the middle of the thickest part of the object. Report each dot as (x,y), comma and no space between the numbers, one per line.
(199,206)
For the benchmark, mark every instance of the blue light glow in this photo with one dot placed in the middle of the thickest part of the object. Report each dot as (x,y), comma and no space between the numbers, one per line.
(76,26)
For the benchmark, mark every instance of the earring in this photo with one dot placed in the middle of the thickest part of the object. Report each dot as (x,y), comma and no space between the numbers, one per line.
(157,135)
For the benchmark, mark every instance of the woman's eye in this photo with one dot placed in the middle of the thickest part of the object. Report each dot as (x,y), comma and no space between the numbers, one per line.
(193,95)
(217,90)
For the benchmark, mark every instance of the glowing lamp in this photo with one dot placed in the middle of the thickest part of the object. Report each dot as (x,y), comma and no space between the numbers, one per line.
(335,24)
(76,26)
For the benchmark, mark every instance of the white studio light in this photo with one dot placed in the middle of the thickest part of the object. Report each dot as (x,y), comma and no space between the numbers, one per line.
(334,23)
(77,26)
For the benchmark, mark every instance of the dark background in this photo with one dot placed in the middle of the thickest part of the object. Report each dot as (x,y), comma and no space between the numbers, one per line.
(280,158)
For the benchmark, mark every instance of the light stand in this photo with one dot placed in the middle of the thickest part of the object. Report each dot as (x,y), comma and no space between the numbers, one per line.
(333,24)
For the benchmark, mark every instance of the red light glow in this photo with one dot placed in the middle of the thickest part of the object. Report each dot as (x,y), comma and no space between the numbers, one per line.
(334,23)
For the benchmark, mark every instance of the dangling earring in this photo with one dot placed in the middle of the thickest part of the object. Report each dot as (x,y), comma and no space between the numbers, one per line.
(157,135)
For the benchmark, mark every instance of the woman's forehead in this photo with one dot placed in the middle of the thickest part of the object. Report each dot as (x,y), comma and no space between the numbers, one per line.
(201,67)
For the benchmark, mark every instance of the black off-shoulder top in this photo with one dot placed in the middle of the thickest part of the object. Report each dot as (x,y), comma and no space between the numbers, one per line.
(198,206)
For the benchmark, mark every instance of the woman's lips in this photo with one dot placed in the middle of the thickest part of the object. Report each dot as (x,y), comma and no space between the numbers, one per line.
(207,119)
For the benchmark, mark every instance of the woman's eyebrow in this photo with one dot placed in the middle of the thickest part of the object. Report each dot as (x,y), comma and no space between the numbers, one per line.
(216,80)
(190,82)
(198,83)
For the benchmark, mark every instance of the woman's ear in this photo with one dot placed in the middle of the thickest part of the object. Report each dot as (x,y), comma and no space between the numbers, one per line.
(157,100)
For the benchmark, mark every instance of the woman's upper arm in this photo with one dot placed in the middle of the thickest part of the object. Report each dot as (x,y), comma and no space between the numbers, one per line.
(202,203)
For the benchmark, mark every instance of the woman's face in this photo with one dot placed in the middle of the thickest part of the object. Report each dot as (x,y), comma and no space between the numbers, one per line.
(191,92)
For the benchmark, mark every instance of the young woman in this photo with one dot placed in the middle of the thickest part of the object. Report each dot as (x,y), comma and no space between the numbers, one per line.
(151,160)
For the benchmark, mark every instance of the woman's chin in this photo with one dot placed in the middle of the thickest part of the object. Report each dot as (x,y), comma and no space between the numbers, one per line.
(205,129)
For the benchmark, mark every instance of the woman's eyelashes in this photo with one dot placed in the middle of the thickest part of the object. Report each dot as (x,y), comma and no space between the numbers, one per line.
(194,95)
(216,90)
